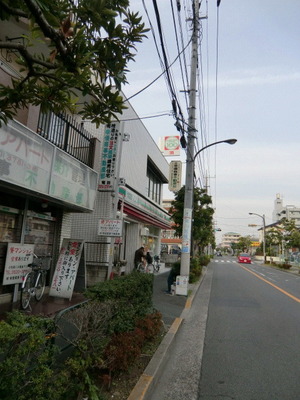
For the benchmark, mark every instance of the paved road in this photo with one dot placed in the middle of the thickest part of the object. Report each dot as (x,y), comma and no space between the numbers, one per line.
(252,340)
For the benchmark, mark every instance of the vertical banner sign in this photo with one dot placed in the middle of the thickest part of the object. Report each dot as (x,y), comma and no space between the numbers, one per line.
(65,273)
(186,230)
(171,146)
(175,176)
(109,161)
(16,264)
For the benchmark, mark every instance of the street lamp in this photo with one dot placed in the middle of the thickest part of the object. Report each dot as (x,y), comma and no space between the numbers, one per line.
(264,234)
(229,141)
(188,207)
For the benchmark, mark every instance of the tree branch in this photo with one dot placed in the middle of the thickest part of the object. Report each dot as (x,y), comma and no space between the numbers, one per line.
(47,29)
(27,56)
(14,11)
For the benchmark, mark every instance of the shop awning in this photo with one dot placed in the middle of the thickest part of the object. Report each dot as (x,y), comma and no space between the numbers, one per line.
(141,216)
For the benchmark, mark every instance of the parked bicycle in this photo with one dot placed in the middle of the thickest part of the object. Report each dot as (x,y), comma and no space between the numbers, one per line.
(34,282)
(150,267)
(156,264)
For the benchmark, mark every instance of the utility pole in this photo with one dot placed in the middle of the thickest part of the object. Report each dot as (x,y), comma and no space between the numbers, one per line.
(189,178)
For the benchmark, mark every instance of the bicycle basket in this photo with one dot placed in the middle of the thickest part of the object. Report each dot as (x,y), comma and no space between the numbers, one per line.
(44,263)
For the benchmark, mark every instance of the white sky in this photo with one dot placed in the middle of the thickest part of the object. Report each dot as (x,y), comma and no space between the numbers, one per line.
(258,100)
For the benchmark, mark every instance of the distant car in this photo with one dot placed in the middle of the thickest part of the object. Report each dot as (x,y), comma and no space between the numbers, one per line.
(244,258)
(219,254)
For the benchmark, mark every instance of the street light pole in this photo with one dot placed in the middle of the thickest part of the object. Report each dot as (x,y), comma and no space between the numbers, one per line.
(189,173)
(188,208)
(189,176)
(264,234)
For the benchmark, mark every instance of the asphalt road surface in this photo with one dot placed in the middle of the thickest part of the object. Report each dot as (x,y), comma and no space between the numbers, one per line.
(252,339)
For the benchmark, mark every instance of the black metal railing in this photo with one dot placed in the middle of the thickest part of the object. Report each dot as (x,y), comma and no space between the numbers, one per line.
(67,134)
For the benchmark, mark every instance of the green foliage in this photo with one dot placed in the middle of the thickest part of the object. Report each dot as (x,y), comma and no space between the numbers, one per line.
(109,332)
(76,64)
(243,244)
(202,231)
(27,367)
(131,296)
(203,259)
(196,269)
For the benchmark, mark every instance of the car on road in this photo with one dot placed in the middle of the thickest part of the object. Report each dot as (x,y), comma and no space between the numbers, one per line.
(244,258)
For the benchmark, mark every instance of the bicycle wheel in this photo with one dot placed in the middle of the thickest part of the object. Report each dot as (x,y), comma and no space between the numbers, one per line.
(40,285)
(156,266)
(26,291)
(150,268)
(140,267)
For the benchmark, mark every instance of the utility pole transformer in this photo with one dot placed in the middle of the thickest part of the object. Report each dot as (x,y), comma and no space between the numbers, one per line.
(189,178)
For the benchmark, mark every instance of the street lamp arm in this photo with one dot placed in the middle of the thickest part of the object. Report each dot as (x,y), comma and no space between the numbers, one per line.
(228,141)
(264,233)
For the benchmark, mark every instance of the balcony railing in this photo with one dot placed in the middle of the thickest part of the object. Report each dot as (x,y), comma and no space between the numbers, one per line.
(67,134)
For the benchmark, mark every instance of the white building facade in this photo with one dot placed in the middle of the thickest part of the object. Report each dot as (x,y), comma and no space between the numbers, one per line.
(130,190)
(290,212)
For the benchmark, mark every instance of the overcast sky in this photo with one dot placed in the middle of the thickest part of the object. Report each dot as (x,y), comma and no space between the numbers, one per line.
(258,102)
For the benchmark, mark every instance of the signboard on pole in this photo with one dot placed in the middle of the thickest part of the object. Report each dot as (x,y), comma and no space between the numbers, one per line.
(175,176)
(65,273)
(110,227)
(109,159)
(16,264)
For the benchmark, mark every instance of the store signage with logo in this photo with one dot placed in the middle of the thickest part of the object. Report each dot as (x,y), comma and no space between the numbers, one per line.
(142,204)
(109,158)
(30,161)
(171,146)
(175,176)
(255,244)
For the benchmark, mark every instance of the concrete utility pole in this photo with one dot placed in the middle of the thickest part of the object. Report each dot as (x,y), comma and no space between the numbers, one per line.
(189,177)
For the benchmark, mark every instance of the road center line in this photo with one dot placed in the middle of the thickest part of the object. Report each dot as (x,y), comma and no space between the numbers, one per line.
(271,284)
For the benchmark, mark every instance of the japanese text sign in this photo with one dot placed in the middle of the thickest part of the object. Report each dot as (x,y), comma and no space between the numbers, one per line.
(65,273)
(16,264)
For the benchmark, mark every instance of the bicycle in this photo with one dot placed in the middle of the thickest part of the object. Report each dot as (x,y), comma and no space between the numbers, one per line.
(156,264)
(34,282)
(142,267)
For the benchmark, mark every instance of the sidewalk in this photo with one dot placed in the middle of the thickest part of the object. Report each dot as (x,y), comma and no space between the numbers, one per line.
(175,310)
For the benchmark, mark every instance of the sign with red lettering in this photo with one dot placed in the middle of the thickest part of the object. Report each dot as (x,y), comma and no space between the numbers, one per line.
(65,273)
(110,227)
(16,264)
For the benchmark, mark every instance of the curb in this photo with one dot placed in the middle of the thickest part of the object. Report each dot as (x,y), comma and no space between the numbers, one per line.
(144,386)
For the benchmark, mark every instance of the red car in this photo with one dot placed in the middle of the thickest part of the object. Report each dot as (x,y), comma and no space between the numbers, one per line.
(244,258)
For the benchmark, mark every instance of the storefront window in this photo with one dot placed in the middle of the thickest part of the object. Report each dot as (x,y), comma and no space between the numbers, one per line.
(10,232)
(39,232)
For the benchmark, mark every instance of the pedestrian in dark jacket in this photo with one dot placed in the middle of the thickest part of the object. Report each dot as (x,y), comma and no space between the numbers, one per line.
(139,256)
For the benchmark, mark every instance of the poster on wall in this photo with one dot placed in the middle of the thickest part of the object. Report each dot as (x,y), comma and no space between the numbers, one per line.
(18,257)
(66,270)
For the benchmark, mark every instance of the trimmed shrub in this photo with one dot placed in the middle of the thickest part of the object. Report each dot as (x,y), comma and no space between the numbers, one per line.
(28,360)
(203,260)
(150,325)
(125,347)
(131,296)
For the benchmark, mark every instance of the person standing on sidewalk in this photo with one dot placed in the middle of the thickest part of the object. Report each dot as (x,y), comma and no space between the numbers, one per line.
(139,256)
